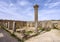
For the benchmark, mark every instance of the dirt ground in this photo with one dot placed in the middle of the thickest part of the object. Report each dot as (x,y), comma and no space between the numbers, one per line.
(51,36)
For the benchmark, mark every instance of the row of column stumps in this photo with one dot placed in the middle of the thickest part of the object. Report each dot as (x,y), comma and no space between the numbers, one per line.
(36,20)
(14,28)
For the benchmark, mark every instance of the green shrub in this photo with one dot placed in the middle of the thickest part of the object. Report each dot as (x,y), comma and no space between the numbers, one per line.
(42,29)
(28,32)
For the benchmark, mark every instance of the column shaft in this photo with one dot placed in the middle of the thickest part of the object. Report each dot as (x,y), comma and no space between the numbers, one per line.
(8,25)
(14,28)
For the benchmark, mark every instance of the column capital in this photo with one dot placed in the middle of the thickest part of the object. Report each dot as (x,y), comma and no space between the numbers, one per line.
(36,6)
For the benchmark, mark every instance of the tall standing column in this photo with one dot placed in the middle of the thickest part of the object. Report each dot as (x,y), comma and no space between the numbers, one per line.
(36,17)
(14,28)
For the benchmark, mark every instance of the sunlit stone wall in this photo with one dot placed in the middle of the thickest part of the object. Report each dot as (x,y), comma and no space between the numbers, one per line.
(22,24)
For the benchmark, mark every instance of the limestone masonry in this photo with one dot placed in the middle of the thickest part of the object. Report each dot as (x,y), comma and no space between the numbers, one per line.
(10,24)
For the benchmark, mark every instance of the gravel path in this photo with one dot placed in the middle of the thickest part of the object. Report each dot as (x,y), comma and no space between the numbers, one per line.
(6,37)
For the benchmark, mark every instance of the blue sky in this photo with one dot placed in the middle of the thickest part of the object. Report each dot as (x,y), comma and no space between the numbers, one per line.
(23,9)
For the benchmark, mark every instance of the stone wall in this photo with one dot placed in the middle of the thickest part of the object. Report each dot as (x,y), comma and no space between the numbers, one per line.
(21,24)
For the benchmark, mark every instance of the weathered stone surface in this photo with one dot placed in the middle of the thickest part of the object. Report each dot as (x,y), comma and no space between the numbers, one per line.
(51,36)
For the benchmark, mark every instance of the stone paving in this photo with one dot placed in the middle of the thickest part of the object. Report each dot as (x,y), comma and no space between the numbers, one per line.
(6,37)
(51,36)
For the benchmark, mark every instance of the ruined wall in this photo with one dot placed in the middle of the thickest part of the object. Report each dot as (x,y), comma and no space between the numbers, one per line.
(21,24)
(46,24)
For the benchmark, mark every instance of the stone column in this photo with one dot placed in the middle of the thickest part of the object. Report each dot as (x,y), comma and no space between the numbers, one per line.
(8,24)
(36,17)
(14,28)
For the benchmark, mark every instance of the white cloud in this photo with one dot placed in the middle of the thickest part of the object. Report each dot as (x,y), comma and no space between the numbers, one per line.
(8,12)
(16,12)
(51,5)
(49,1)
(11,4)
(54,4)
(23,3)
(49,14)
